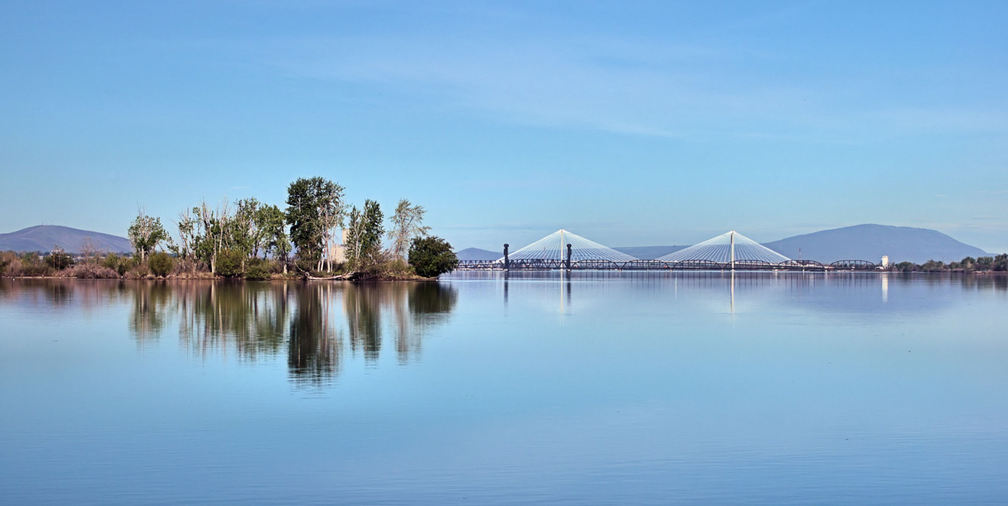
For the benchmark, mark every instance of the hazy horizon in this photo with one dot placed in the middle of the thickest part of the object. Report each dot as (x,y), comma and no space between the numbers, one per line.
(651,124)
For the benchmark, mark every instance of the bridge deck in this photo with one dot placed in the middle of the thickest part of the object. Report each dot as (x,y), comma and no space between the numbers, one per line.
(660,265)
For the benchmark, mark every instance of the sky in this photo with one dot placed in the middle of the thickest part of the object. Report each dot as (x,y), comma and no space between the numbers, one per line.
(630,123)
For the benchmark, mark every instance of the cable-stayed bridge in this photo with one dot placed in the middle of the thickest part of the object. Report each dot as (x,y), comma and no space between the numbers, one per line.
(564,250)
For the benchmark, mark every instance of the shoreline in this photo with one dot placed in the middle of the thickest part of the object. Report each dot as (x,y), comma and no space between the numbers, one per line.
(345,278)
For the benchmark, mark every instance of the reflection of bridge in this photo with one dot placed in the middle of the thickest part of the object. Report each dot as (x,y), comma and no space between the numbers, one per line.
(563,250)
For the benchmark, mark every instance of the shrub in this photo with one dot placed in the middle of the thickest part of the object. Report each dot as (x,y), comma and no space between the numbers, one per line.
(161,263)
(229,263)
(6,259)
(258,268)
(10,264)
(90,271)
(432,256)
(136,270)
(33,265)
(116,263)
(59,259)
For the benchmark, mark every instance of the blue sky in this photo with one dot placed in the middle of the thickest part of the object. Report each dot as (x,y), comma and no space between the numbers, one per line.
(631,123)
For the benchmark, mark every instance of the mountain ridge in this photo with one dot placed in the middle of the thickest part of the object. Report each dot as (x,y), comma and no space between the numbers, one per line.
(72,240)
(856,242)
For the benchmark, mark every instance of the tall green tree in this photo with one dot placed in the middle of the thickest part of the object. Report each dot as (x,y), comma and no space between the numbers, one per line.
(210,237)
(432,256)
(245,237)
(314,208)
(145,234)
(270,220)
(364,234)
(406,223)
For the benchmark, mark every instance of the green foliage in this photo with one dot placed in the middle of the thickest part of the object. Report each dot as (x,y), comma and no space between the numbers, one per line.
(432,256)
(271,222)
(258,268)
(146,233)
(229,263)
(33,265)
(161,263)
(243,233)
(1001,262)
(7,258)
(116,263)
(59,259)
(364,235)
(314,208)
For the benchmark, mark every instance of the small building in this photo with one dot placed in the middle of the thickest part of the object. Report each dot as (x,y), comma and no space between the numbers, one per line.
(885,261)
(337,251)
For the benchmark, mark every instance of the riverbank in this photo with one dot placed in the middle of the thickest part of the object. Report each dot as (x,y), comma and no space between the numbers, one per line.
(353,277)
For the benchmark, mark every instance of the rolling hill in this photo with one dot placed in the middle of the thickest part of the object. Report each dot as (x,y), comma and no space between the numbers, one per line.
(858,242)
(478,254)
(870,242)
(72,240)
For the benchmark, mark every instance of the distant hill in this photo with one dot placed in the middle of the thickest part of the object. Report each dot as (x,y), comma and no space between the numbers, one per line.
(72,240)
(478,254)
(870,242)
(648,252)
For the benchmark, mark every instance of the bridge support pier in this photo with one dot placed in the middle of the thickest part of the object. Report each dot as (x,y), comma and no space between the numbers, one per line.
(507,263)
(568,263)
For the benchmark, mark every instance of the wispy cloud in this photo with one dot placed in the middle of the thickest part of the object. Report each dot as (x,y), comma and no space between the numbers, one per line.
(635,87)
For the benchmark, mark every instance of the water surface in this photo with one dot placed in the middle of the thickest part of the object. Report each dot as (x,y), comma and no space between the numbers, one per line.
(598,388)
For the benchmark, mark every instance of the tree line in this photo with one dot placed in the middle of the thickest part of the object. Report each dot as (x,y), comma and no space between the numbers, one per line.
(255,240)
(969,264)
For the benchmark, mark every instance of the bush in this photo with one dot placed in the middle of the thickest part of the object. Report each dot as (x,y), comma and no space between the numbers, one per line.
(33,265)
(136,270)
(229,263)
(6,259)
(432,256)
(161,263)
(120,264)
(258,268)
(90,271)
(59,259)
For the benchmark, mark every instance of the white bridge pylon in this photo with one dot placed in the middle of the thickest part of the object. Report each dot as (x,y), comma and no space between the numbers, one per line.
(554,247)
(728,248)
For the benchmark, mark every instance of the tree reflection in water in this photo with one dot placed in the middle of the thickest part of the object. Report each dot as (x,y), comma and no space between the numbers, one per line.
(313,350)
(260,320)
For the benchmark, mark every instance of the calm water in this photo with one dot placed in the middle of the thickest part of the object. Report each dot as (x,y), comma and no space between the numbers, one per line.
(603,388)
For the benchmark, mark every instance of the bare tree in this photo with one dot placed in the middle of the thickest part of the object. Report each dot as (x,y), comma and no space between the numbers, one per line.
(407,223)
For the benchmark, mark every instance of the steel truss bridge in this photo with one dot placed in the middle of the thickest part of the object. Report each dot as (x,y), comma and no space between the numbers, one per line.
(661,265)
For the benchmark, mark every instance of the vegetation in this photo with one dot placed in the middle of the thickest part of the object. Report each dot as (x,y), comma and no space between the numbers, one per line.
(59,259)
(314,208)
(161,263)
(364,236)
(145,234)
(407,223)
(432,256)
(250,239)
(997,263)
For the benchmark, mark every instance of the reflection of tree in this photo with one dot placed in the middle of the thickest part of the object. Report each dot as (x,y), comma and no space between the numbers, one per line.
(313,351)
(362,304)
(260,319)
(429,304)
(58,293)
(150,301)
(251,316)
(414,307)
